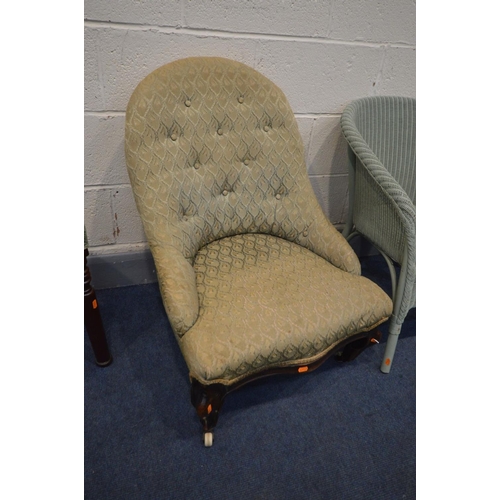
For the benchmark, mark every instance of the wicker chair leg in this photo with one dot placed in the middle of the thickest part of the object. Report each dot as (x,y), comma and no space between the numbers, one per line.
(390,348)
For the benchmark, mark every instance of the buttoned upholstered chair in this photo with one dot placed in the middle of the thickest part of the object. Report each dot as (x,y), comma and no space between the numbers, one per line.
(381,133)
(254,278)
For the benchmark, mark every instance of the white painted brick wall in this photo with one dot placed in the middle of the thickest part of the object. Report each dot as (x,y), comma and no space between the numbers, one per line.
(322,53)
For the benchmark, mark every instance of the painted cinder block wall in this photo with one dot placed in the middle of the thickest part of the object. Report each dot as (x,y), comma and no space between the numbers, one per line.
(322,53)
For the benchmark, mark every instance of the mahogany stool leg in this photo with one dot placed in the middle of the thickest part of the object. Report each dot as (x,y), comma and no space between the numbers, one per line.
(93,321)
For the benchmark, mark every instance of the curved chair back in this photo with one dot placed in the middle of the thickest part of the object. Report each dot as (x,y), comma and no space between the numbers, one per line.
(386,121)
(213,150)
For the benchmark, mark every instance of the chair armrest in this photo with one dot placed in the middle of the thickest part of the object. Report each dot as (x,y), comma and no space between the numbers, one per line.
(177,281)
(314,231)
(382,209)
(325,240)
(384,214)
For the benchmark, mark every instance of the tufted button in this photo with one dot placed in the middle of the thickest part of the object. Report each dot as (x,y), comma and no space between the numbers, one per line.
(224,193)
(278,196)
(247,161)
(197,165)
(266,129)
(240,99)
(174,137)
(305,233)
(219,131)
(188,103)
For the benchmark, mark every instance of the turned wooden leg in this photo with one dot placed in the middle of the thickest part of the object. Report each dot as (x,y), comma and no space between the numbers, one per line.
(208,400)
(93,321)
(354,349)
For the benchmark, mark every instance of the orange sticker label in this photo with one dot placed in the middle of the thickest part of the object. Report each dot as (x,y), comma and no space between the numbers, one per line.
(303,369)
(387,361)
(209,409)
(94,304)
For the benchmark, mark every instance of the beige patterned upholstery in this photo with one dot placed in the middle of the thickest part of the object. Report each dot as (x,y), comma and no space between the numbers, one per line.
(251,272)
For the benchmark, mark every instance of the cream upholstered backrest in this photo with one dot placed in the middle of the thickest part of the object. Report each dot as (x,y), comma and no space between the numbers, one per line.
(213,150)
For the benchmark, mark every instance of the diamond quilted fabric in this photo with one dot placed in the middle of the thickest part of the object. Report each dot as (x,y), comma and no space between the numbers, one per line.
(251,272)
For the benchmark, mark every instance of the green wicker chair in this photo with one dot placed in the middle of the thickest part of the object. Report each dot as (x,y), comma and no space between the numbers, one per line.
(254,278)
(381,134)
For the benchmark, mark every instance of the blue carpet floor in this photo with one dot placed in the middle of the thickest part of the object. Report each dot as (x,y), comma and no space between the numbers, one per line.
(344,431)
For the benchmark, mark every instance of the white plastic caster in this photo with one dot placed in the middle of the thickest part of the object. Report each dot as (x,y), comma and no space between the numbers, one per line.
(209,439)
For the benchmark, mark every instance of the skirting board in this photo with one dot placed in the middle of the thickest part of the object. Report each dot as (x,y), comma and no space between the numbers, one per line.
(121,269)
(138,268)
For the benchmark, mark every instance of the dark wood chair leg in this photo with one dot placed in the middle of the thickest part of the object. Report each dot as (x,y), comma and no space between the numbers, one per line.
(93,321)
(207,399)
(354,349)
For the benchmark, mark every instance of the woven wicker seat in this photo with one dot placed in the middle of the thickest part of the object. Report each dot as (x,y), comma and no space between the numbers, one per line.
(253,276)
(381,133)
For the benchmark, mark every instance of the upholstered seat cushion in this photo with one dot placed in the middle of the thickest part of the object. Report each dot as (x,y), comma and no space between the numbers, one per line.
(267,302)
